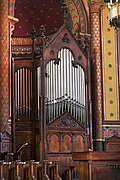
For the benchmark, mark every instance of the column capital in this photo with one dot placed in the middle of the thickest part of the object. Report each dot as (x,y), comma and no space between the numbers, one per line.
(95,6)
(12,20)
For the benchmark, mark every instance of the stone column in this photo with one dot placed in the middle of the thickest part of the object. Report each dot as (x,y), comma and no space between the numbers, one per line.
(95,8)
(4,63)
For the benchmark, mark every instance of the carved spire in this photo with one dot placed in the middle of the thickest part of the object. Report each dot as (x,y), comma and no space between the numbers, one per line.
(33,33)
(42,31)
(33,36)
(65,11)
(42,38)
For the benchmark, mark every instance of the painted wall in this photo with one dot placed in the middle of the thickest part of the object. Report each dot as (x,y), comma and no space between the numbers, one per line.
(110,72)
(110,78)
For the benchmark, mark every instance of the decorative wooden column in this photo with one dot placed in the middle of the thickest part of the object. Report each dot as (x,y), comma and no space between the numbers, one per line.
(95,8)
(4,63)
(42,98)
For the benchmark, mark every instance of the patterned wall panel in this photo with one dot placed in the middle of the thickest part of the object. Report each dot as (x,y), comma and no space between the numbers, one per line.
(110,70)
(82,16)
(78,15)
(74,14)
(4,65)
(109,131)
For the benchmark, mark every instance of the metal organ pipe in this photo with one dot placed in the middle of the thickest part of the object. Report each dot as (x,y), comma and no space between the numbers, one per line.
(57,89)
(53,92)
(68,79)
(78,94)
(20,90)
(26,87)
(23,92)
(23,89)
(60,86)
(74,92)
(17,94)
(65,87)
(51,108)
(29,90)
(61,82)
(38,90)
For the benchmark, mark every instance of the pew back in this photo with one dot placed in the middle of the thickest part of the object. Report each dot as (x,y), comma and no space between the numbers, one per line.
(30,170)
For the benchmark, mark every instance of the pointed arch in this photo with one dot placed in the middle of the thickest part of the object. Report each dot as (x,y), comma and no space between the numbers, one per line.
(78,14)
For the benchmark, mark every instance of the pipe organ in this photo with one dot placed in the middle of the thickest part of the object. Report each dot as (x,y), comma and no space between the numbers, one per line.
(65,87)
(50,98)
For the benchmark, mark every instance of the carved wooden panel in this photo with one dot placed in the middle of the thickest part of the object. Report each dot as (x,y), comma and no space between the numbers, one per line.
(79,144)
(66,121)
(5,144)
(101,171)
(63,38)
(64,136)
(67,144)
(54,143)
(113,143)
(96,165)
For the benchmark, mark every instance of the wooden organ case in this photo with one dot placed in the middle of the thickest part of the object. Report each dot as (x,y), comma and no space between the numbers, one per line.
(51,99)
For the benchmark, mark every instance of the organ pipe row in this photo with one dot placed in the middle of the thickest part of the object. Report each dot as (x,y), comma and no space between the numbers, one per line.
(23,92)
(65,87)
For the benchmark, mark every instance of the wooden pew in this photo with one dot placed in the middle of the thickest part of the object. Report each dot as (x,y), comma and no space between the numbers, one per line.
(3,170)
(29,170)
(53,168)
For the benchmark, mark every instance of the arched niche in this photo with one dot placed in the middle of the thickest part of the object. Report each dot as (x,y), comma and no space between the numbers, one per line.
(67,145)
(79,144)
(54,143)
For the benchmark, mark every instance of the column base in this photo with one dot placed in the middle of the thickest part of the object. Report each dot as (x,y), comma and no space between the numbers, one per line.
(98,145)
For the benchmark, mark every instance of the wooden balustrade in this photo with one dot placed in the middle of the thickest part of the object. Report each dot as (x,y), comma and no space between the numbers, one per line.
(94,165)
(29,170)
